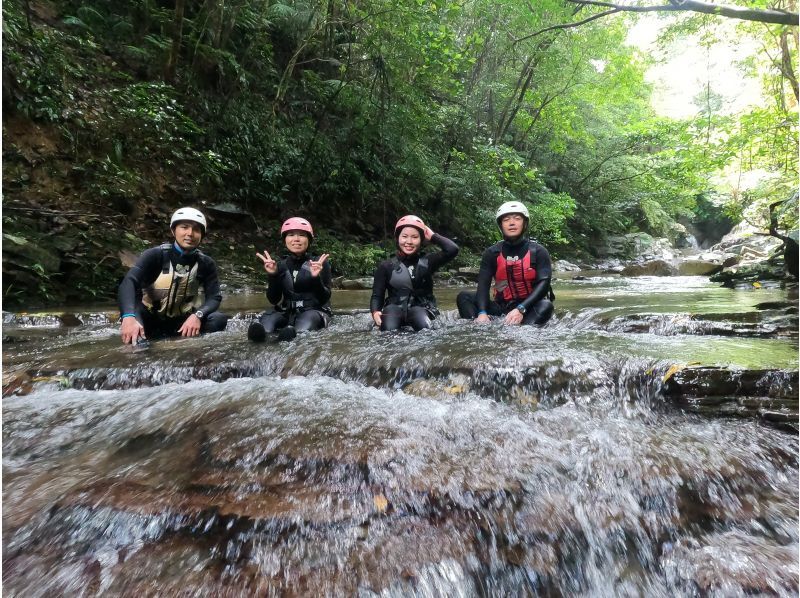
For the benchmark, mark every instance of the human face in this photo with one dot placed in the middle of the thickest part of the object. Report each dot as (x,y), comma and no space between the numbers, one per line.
(296,242)
(409,240)
(187,234)
(512,225)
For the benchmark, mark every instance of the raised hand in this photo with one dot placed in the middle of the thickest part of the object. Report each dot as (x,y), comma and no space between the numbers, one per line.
(270,265)
(429,233)
(316,266)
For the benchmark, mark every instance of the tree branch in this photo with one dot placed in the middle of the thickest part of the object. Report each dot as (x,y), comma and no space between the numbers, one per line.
(566,25)
(765,15)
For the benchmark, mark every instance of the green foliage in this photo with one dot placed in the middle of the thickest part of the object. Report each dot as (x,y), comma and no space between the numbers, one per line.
(34,66)
(357,113)
(349,258)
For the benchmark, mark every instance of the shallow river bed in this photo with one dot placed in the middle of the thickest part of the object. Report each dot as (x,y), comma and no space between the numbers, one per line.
(464,460)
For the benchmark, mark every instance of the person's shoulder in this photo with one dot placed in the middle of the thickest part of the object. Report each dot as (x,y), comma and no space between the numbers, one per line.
(534,246)
(152,253)
(206,259)
(494,249)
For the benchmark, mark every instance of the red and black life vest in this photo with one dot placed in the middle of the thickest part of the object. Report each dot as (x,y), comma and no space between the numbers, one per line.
(514,278)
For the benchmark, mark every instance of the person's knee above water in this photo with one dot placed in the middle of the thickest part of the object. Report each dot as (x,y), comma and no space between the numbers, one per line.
(159,295)
(521,270)
(298,286)
(402,290)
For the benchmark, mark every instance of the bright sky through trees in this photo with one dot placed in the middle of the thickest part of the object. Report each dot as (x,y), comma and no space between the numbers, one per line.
(683,69)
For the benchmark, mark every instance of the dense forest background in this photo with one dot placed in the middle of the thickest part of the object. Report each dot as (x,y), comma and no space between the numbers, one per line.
(354,113)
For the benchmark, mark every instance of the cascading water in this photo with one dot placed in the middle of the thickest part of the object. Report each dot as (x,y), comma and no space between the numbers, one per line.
(460,461)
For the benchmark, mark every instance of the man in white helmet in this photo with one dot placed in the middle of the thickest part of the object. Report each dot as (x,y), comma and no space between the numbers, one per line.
(521,270)
(159,295)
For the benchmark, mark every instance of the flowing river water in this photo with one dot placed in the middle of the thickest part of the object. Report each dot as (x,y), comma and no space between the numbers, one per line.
(461,461)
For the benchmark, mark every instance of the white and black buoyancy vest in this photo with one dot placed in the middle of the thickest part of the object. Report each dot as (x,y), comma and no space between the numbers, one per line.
(412,285)
(175,292)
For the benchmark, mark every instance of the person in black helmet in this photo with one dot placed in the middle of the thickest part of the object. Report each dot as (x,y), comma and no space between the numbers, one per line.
(521,270)
(298,286)
(159,295)
(402,289)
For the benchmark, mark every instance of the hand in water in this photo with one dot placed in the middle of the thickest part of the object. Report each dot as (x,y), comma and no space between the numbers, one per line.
(131,330)
(483,319)
(270,265)
(316,266)
(191,327)
(513,317)
(377,318)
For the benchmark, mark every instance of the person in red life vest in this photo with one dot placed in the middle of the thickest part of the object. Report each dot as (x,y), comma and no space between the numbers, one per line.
(160,295)
(298,286)
(521,270)
(402,289)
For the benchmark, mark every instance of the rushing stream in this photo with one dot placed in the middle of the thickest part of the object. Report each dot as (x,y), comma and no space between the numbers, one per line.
(461,461)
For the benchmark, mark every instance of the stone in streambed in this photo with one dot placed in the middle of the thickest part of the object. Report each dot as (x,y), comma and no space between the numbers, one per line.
(357,284)
(651,268)
(767,395)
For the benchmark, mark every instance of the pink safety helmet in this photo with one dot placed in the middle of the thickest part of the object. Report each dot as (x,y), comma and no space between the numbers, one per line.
(410,220)
(297,224)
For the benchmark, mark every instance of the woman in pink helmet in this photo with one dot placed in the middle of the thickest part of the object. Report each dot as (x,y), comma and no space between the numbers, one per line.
(402,291)
(298,286)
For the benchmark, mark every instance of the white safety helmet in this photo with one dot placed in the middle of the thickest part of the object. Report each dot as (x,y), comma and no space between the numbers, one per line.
(512,207)
(189,215)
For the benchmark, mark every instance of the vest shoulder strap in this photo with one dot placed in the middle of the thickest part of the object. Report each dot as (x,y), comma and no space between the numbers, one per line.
(166,264)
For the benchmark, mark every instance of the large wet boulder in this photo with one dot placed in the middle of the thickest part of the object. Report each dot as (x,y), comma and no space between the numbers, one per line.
(357,284)
(650,268)
(565,266)
(751,273)
(748,242)
(635,245)
(696,267)
(768,395)
(469,274)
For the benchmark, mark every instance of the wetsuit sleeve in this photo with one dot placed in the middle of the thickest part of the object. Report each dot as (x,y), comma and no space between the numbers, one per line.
(211,290)
(440,258)
(485,275)
(322,284)
(275,285)
(544,272)
(379,284)
(144,272)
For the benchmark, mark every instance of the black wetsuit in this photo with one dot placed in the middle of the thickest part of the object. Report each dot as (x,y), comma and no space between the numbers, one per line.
(150,265)
(408,282)
(299,299)
(539,302)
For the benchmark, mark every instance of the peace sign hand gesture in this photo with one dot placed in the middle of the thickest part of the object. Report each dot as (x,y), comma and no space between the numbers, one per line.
(270,265)
(316,266)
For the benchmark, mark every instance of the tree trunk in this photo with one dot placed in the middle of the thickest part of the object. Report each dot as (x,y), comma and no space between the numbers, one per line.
(791,251)
(786,64)
(523,74)
(177,40)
